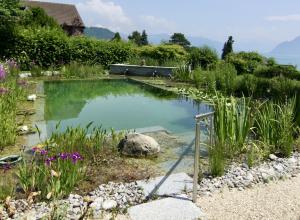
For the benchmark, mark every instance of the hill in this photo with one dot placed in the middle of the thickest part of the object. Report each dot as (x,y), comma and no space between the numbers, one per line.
(99,33)
(288,47)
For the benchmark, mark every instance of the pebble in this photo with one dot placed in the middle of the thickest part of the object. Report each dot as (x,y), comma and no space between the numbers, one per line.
(240,176)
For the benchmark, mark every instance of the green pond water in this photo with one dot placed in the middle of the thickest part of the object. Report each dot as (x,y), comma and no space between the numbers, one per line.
(118,104)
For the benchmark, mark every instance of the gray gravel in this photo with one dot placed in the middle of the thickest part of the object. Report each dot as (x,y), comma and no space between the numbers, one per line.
(240,176)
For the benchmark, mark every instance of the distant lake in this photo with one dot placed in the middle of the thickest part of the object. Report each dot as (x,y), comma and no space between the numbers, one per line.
(287,59)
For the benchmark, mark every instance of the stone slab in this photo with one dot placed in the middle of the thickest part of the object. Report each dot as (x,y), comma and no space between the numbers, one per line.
(173,184)
(166,209)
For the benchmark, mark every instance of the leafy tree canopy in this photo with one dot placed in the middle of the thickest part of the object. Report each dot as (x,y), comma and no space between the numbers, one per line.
(180,39)
(117,37)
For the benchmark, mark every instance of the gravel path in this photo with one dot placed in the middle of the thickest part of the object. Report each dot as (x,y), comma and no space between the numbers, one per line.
(276,200)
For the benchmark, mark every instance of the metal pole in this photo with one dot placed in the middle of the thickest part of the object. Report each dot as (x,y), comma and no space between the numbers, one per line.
(196,161)
(211,131)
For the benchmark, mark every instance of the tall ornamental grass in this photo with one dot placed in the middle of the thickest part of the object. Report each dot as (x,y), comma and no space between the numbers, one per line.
(274,124)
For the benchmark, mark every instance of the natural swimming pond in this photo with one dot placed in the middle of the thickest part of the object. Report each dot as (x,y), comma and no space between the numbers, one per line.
(118,104)
(128,105)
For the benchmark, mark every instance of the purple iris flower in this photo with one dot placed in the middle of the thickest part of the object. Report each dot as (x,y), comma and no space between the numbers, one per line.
(64,156)
(44,152)
(49,160)
(2,72)
(75,157)
(3,91)
(35,149)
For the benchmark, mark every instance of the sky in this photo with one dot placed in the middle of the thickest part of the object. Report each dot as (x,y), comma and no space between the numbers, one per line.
(257,25)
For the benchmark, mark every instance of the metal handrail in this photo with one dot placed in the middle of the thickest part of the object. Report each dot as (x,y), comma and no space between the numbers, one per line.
(198,118)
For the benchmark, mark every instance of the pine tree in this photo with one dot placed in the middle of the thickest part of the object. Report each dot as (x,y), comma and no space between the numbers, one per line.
(228,47)
(144,38)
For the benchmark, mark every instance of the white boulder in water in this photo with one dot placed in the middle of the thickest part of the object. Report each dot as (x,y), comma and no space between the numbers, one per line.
(31,97)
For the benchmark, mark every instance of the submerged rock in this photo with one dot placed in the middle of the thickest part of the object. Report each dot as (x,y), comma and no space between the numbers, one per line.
(138,145)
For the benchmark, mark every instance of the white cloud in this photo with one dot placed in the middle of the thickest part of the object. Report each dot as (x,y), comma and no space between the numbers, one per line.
(158,24)
(106,12)
(292,17)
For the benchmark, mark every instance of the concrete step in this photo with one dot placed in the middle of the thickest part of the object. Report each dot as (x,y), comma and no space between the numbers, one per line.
(166,209)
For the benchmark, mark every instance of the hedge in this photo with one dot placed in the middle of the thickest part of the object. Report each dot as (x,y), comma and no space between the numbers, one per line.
(162,53)
(51,47)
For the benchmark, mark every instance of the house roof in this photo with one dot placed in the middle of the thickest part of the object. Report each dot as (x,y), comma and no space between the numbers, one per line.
(64,14)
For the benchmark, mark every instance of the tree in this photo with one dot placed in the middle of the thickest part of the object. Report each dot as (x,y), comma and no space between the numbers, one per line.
(37,17)
(9,18)
(228,47)
(179,38)
(117,37)
(203,57)
(136,38)
(144,38)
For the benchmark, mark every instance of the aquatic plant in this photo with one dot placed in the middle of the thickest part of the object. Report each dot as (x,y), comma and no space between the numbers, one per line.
(88,141)
(274,126)
(232,125)
(75,69)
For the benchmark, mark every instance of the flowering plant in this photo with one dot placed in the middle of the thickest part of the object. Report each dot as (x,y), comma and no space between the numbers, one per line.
(54,175)
(2,73)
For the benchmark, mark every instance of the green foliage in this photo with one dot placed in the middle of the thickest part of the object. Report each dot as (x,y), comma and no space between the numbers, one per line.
(232,124)
(90,51)
(51,47)
(203,57)
(228,47)
(136,38)
(88,141)
(162,53)
(287,71)
(53,175)
(9,18)
(274,124)
(37,17)
(117,37)
(8,111)
(246,62)
(7,187)
(179,39)
(81,71)
(144,38)
(183,73)
(221,78)
(44,46)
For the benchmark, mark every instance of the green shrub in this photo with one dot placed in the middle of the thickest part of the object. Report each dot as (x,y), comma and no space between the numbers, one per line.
(91,51)
(246,62)
(43,46)
(203,57)
(51,47)
(287,71)
(162,53)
